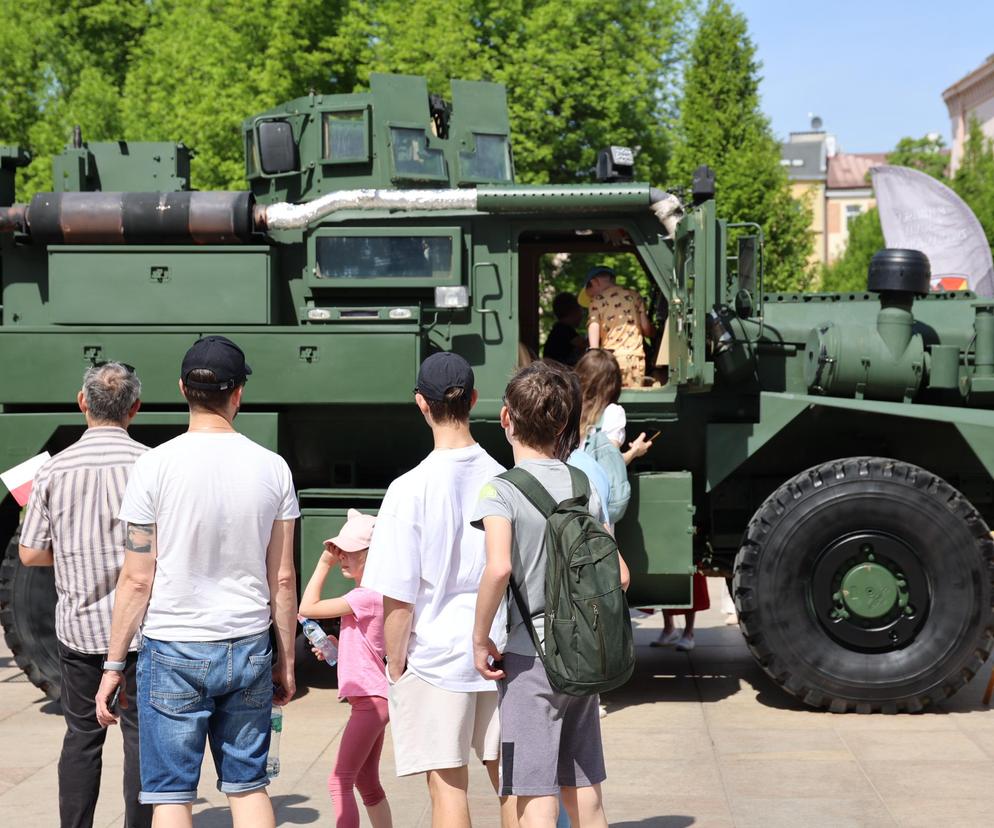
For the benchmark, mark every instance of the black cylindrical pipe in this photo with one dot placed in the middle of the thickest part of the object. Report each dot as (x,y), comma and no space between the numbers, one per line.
(141,218)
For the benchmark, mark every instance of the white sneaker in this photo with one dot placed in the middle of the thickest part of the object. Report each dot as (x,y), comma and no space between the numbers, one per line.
(685,644)
(602,710)
(667,639)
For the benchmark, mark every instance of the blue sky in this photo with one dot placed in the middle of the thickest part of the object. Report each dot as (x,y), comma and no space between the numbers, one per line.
(873,70)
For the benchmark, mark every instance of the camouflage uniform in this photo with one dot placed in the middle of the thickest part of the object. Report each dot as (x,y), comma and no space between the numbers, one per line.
(617,309)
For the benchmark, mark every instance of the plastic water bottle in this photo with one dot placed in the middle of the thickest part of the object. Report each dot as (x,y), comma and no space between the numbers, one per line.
(319,640)
(275,729)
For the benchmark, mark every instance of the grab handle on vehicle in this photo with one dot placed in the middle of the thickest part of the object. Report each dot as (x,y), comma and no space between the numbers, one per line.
(473,287)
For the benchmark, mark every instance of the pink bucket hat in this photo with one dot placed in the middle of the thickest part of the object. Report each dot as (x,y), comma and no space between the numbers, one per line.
(356,533)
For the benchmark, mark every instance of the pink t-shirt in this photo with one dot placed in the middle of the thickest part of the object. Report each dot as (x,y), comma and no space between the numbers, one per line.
(360,646)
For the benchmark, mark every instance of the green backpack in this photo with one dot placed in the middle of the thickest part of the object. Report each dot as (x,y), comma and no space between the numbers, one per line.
(588,630)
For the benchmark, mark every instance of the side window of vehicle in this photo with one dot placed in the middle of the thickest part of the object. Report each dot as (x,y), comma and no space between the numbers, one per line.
(412,157)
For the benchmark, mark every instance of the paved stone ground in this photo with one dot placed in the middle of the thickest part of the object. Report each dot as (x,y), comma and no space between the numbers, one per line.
(703,739)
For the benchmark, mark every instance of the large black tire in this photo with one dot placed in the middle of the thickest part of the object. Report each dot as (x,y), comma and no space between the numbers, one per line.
(856,514)
(27,611)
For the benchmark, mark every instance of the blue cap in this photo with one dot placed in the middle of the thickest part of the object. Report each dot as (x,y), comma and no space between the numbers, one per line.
(597,270)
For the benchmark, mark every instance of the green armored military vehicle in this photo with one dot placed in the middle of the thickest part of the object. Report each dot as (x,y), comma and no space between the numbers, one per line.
(836,452)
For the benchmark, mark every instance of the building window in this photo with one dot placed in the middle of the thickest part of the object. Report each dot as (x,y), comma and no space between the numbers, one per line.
(852,210)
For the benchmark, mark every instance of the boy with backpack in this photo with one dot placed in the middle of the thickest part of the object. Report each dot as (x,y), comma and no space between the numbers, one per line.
(569,634)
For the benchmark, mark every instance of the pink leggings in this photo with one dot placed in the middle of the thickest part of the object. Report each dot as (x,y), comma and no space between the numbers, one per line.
(358,761)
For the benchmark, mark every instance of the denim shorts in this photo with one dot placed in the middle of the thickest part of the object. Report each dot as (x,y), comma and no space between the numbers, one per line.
(191,692)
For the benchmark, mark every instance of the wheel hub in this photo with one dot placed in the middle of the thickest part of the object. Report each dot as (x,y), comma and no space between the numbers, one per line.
(870,592)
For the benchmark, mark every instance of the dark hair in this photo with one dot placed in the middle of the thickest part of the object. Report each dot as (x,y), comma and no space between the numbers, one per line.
(207,400)
(543,402)
(563,304)
(454,408)
(600,383)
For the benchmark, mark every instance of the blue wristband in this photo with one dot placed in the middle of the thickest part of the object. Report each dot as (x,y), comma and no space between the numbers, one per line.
(115,666)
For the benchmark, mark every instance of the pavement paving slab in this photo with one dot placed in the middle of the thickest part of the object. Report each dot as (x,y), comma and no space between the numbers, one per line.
(695,739)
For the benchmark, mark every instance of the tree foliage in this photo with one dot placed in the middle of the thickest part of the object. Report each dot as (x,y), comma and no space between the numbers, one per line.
(924,154)
(579,74)
(61,64)
(200,69)
(974,179)
(720,124)
(849,271)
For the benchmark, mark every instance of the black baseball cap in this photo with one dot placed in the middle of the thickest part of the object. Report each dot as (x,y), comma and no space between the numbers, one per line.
(443,371)
(220,355)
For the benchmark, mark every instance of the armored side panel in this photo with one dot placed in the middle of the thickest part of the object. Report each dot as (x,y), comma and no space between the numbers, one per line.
(394,135)
(122,166)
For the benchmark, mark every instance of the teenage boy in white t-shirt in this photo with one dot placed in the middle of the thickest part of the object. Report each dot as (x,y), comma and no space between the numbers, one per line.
(426,561)
(209,567)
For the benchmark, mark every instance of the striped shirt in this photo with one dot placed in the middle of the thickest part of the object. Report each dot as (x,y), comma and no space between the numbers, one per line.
(73,511)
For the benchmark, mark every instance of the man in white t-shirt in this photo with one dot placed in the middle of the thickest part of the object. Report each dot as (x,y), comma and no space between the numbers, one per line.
(209,566)
(427,560)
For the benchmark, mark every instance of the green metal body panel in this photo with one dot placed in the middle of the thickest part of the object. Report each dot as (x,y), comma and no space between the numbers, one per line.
(122,166)
(323,512)
(146,285)
(731,444)
(656,537)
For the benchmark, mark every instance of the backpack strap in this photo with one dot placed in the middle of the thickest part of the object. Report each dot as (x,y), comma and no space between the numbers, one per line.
(526,617)
(534,492)
(581,483)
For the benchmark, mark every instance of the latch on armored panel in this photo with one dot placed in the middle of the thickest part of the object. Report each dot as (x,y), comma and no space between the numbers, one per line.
(92,353)
(308,353)
(159,273)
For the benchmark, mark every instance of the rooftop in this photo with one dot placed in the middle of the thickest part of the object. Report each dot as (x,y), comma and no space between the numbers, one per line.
(981,73)
(804,160)
(849,171)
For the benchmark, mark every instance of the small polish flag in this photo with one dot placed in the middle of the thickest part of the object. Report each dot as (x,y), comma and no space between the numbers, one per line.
(20,478)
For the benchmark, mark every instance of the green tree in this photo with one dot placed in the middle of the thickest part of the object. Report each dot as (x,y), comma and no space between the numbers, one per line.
(848,272)
(200,69)
(974,179)
(580,75)
(720,124)
(926,154)
(63,63)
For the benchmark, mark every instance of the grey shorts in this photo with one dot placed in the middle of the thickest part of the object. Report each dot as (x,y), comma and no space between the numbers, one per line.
(548,739)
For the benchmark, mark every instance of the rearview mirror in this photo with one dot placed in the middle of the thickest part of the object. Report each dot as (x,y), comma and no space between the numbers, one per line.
(747,264)
(278,152)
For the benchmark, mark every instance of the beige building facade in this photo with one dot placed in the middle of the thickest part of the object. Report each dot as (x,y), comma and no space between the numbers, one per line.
(836,185)
(970,97)
(848,194)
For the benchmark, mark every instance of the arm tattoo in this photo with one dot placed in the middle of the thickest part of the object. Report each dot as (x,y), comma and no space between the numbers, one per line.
(140,537)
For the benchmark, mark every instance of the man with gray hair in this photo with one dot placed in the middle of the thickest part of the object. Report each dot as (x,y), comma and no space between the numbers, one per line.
(71,523)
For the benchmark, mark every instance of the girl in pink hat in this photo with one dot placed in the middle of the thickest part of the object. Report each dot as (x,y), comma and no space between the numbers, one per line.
(361,676)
